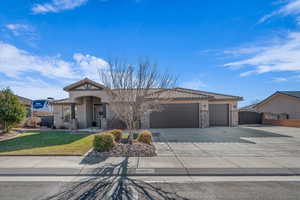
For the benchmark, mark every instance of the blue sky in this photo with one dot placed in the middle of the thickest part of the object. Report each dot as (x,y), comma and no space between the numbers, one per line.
(249,48)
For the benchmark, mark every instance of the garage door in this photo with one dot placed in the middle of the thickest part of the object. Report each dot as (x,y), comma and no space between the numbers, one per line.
(176,116)
(218,115)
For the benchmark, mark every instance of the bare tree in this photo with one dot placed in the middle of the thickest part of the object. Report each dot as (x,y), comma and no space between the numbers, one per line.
(135,89)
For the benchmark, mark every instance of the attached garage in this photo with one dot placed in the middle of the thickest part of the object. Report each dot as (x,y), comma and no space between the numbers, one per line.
(218,114)
(176,116)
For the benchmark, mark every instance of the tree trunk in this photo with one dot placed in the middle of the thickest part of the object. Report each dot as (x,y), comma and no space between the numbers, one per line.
(6,127)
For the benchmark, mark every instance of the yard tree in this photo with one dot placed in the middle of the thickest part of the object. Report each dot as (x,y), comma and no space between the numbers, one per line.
(135,89)
(11,111)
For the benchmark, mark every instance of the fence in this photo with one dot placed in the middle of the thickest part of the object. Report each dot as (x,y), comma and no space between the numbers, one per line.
(280,120)
(249,117)
(47,121)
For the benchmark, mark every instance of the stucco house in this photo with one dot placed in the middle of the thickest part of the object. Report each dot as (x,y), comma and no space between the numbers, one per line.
(88,106)
(281,102)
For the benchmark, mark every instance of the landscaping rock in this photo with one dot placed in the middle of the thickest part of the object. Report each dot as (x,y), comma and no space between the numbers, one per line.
(137,149)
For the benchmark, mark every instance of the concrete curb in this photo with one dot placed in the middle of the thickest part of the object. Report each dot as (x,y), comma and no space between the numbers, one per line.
(102,172)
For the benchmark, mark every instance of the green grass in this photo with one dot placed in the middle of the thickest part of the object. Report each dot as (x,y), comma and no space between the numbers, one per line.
(47,143)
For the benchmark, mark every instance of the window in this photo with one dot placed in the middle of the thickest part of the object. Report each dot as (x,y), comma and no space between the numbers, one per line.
(66,113)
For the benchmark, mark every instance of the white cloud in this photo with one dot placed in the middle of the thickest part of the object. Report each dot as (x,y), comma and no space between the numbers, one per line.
(90,64)
(57,6)
(298,20)
(193,84)
(292,7)
(16,62)
(280,79)
(20,29)
(24,31)
(33,88)
(281,56)
(20,66)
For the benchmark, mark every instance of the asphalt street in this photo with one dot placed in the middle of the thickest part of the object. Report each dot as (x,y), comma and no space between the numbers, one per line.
(287,190)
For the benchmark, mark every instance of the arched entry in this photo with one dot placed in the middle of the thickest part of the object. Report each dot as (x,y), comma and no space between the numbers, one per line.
(90,112)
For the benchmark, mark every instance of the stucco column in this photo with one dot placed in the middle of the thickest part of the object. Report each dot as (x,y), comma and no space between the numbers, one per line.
(203,115)
(105,117)
(74,124)
(72,110)
(145,121)
(234,114)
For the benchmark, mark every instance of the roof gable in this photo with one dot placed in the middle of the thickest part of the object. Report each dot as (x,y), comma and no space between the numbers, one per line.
(293,94)
(85,84)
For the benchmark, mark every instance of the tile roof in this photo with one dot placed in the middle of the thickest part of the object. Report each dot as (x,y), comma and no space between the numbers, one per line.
(62,101)
(177,93)
(24,101)
(291,93)
(214,96)
(251,107)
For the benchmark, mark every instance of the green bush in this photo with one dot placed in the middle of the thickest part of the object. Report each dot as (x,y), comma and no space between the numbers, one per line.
(117,133)
(103,142)
(145,137)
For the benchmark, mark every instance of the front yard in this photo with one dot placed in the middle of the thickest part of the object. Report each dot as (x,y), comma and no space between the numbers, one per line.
(47,143)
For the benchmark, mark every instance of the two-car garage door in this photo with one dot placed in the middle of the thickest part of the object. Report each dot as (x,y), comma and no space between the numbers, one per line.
(176,116)
(187,116)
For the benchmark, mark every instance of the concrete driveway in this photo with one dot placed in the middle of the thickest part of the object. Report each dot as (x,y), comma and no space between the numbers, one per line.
(211,135)
(223,147)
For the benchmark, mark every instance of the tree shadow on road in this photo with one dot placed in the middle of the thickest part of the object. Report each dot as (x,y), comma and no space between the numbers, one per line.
(112,182)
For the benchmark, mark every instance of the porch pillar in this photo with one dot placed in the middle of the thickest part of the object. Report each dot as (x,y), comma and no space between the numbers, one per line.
(73,111)
(74,125)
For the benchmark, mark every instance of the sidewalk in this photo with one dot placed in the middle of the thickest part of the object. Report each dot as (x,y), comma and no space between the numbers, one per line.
(149,166)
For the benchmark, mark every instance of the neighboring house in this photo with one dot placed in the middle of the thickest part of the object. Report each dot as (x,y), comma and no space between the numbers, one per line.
(24,101)
(249,115)
(249,108)
(27,103)
(88,106)
(281,102)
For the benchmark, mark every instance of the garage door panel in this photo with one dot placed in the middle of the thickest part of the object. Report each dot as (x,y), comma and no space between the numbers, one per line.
(176,116)
(218,114)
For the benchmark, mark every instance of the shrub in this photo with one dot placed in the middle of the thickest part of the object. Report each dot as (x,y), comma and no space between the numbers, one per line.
(103,142)
(117,133)
(135,136)
(145,137)
(33,122)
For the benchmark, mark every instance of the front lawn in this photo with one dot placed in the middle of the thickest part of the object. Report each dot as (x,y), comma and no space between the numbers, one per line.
(47,143)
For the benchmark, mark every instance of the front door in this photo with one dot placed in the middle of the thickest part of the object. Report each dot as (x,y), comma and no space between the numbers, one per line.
(98,114)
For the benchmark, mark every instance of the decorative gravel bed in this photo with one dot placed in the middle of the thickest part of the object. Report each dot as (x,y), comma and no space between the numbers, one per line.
(137,149)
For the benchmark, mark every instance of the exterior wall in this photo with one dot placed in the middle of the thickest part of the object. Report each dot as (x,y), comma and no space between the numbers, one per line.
(83,114)
(283,122)
(145,121)
(282,104)
(58,117)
